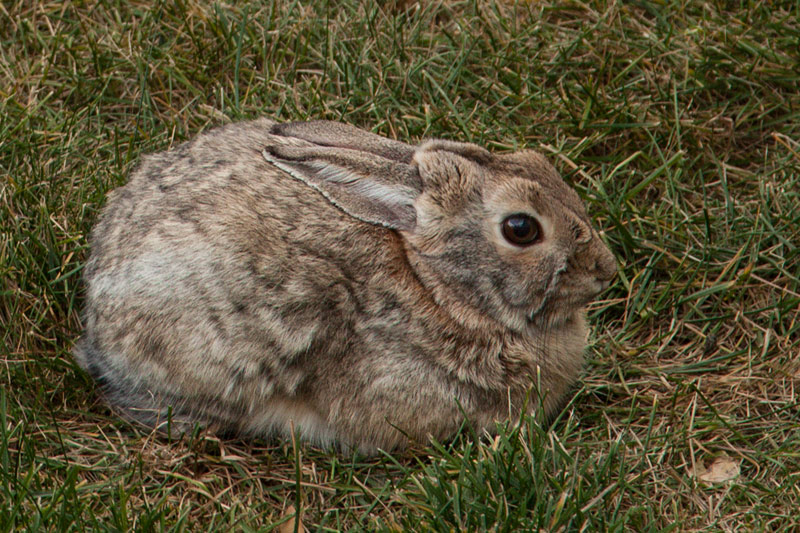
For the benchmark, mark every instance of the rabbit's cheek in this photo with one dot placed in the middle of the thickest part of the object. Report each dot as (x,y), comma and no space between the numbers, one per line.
(532,289)
(523,295)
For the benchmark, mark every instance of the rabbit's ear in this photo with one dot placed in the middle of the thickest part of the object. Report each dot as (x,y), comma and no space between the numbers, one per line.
(368,187)
(336,134)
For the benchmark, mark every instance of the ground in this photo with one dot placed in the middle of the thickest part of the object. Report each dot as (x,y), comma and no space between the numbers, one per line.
(679,125)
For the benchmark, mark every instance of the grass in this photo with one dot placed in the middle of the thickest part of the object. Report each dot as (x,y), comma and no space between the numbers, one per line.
(678,122)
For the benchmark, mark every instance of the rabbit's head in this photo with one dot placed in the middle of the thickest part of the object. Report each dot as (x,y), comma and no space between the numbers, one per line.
(497,236)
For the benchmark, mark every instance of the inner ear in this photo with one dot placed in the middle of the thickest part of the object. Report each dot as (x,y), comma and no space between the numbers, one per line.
(368,187)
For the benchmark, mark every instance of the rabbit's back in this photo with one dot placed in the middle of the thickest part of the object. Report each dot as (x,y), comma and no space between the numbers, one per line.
(212,272)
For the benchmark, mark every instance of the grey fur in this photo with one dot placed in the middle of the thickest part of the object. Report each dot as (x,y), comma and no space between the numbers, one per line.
(312,275)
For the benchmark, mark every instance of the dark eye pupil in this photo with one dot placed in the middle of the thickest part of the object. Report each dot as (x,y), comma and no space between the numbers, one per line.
(521,230)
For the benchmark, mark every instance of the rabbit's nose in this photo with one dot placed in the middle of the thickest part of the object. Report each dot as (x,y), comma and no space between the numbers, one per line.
(605,265)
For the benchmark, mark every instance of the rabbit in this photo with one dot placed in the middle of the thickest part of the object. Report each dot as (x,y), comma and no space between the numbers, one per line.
(268,279)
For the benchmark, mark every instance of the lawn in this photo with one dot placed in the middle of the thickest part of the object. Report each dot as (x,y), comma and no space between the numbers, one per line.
(677,122)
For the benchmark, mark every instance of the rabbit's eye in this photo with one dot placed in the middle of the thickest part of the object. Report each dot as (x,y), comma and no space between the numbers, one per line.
(521,229)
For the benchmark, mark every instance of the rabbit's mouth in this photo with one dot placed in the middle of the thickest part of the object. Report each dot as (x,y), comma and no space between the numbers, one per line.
(557,306)
(550,322)
(558,309)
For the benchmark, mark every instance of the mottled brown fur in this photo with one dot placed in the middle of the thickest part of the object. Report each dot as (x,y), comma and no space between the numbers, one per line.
(315,276)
